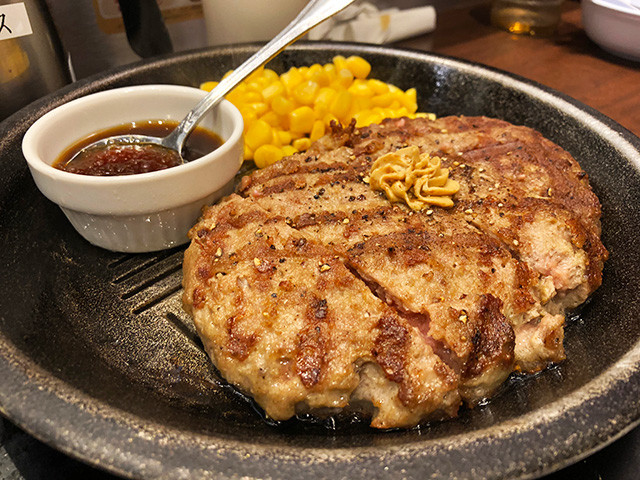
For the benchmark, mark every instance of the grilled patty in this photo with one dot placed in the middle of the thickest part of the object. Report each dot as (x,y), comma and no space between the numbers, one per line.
(314,293)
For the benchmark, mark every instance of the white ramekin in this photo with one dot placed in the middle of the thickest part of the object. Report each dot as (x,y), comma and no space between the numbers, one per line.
(134,213)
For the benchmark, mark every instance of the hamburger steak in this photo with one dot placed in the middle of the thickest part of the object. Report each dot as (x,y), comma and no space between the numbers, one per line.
(314,293)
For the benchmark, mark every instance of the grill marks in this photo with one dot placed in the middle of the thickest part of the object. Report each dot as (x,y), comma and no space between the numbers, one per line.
(390,348)
(459,280)
(311,354)
(405,250)
(493,340)
(365,215)
(288,308)
(240,344)
(511,177)
(392,342)
(436,270)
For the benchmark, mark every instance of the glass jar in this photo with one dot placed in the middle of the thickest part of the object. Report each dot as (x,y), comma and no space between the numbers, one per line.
(527,17)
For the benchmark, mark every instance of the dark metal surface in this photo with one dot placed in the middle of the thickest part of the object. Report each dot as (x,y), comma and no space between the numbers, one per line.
(99,360)
(22,457)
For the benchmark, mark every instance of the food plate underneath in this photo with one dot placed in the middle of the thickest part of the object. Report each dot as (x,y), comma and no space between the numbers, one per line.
(99,360)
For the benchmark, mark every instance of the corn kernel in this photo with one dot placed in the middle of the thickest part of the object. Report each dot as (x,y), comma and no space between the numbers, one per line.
(257,73)
(275,141)
(378,86)
(269,75)
(282,105)
(259,107)
(341,104)
(251,97)
(412,94)
(284,137)
(288,150)
(313,69)
(330,117)
(318,75)
(301,119)
(272,118)
(320,110)
(295,135)
(409,100)
(305,92)
(388,112)
(344,78)
(361,103)
(317,130)
(208,86)
(267,155)
(358,66)
(301,144)
(247,153)
(360,89)
(260,133)
(249,116)
(324,97)
(330,68)
(364,118)
(382,100)
(273,89)
(236,97)
(255,86)
(291,79)
(340,62)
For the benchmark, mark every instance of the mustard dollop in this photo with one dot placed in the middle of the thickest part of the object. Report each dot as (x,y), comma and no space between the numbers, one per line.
(415,178)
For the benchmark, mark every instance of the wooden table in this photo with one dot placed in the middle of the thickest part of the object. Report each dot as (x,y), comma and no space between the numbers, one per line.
(568,62)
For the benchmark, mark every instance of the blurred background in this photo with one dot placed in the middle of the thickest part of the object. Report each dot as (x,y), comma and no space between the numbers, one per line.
(45,45)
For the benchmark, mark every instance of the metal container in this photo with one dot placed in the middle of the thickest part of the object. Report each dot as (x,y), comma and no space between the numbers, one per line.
(32,61)
(98,38)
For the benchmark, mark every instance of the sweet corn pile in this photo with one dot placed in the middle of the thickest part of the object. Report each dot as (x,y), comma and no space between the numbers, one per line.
(284,113)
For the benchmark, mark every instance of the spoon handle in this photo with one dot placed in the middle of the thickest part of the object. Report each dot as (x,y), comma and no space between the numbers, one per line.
(314,13)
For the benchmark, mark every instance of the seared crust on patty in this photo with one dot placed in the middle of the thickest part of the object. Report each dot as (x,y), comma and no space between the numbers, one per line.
(286,321)
(312,292)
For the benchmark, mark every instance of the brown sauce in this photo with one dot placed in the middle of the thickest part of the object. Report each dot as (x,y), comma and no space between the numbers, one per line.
(134,159)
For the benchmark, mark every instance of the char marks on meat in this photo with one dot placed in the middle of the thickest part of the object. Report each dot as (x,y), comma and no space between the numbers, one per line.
(312,292)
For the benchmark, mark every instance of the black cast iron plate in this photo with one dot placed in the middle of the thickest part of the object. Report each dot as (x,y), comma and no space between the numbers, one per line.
(98,359)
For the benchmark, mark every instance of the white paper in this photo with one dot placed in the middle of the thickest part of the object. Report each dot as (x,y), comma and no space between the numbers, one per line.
(14,21)
(365,23)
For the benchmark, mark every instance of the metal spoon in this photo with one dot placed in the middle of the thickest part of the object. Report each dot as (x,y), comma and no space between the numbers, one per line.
(315,12)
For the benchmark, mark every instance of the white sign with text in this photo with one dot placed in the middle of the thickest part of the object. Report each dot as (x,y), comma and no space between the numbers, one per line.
(14,21)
